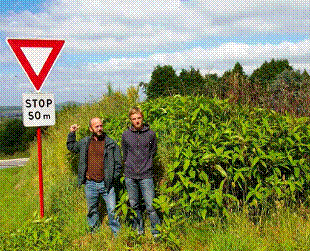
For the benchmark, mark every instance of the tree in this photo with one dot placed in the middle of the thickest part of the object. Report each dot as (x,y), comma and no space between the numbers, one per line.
(289,93)
(14,136)
(212,87)
(109,89)
(289,78)
(164,82)
(305,79)
(191,82)
(268,71)
(231,83)
(238,69)
(238,86)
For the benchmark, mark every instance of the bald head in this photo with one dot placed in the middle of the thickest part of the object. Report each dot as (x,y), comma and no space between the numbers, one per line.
(96,126)
(93,120)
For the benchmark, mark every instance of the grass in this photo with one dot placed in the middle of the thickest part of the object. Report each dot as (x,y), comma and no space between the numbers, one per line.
(285,229)
(18,198)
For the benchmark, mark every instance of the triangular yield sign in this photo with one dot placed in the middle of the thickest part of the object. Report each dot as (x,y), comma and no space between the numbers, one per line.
(36,57)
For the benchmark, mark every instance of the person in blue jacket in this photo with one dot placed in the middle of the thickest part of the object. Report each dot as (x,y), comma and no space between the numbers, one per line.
(139,145)
(99,169)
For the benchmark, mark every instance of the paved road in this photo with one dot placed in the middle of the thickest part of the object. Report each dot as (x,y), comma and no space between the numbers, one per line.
(13,162)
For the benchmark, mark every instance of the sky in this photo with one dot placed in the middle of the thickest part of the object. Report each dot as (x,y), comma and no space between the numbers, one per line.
(122,41)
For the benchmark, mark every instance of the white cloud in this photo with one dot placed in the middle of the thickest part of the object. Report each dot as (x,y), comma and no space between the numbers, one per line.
(302,67)
(154,32)
(150,25)
(216,59)
(126,8)
(237,6)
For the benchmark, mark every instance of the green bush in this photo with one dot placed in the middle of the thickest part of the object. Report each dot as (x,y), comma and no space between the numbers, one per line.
(214,157)
(14,136)
(38,234)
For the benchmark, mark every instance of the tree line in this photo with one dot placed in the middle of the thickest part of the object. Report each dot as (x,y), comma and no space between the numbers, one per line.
(274,85)
(14,137)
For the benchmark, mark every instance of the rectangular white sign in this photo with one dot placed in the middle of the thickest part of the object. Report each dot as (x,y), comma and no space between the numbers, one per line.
(38,110)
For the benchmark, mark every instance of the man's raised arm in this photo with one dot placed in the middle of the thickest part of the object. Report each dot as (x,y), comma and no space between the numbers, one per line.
(72,144)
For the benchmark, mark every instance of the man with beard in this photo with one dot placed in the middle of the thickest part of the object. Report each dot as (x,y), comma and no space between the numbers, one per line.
(99,168)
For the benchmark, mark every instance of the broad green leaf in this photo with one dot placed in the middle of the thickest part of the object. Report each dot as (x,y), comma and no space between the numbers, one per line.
(254,161)
(292,186)
(277,171)
(208,156)
(203,176)
(192,173)
(297,172)
(204,120)
(194,114)
(193,197)
(124,209)
(263,163)
(238,175)
(278,191)
(171,175)
(258,195)
(232,197)
(218,197)
(221,170)
(203,213)
(186,164)
(176,164)
(250,194)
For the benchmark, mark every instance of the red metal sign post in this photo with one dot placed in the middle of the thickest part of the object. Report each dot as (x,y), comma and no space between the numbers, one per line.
(40,171)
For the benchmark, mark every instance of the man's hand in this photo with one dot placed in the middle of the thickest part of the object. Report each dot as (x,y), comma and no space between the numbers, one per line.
(74,127)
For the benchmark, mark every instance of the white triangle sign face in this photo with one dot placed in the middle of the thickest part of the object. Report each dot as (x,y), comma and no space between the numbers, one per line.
(36,57)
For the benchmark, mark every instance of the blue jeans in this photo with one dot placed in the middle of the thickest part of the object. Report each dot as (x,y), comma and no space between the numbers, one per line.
(147,188)
(93,191)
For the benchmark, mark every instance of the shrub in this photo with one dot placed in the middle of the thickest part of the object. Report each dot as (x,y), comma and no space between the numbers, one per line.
(14,136)
(38,234)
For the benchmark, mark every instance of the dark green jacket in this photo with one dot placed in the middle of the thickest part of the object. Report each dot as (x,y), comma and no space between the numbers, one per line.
(112,158)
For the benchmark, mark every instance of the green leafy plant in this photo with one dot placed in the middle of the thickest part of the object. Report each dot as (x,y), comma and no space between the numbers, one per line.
(37,234)
(222,157)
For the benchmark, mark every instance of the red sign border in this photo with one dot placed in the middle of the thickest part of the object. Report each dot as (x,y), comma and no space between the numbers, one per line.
(36,80)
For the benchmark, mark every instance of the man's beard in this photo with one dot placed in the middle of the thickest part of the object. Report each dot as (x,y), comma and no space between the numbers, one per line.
(101,136)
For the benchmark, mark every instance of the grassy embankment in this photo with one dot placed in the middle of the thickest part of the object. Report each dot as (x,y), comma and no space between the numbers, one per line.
(284,229)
